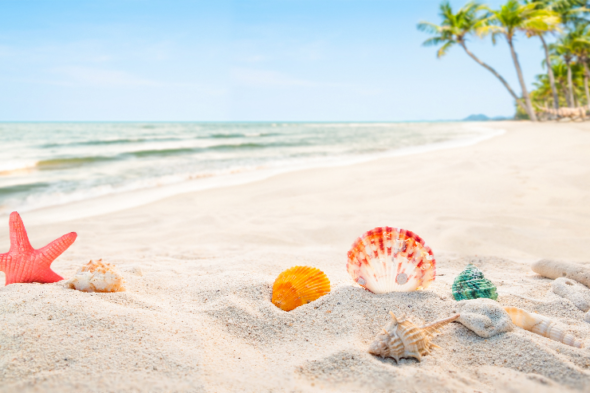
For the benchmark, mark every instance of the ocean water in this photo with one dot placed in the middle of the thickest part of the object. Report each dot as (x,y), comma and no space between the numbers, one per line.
(48,164)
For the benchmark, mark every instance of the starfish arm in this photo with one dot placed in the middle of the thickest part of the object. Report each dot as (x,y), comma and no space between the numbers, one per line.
(19,241)
(48,277)
(57,247)
(4,260)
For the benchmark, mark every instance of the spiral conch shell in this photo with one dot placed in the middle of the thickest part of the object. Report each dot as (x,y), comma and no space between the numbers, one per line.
(388,259)
(402,339)
(471,284)
(299,285)
(541,325)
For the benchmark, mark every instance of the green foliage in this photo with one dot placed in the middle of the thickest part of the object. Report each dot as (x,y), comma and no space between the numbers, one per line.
(571,50)
(531,18)
(563,48)
(542,95)
(515,16)
(454,27)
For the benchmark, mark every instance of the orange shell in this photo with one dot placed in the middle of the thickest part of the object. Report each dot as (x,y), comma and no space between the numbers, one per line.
(299,285)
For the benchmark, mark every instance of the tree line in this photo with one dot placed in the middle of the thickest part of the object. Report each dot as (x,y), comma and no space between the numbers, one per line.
(565,83)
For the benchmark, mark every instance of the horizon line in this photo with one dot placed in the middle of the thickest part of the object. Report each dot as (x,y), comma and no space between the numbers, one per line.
(251,121)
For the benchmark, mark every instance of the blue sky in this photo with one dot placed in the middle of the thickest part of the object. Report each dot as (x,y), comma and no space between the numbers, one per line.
(285,60)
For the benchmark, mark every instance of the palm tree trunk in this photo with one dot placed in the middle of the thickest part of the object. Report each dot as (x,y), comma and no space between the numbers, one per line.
(550,74)
(570,86)
(487,67)
(586,75)
(525,93)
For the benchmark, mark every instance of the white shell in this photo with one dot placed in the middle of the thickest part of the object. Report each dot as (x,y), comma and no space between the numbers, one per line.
(390,259)
(573,291)
(485,317)
(554,269)
(96,276)
(542,325)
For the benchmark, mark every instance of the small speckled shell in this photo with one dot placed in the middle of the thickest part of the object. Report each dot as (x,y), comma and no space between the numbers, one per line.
(299,285)
(96,276)
(471,284)
(390,259)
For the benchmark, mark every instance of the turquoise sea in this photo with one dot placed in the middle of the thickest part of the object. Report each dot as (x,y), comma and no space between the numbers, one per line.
(48,164)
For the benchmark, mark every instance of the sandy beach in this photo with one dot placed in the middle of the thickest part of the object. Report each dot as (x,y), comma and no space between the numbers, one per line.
(199,268)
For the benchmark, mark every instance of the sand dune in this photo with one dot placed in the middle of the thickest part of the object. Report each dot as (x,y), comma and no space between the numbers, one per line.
(197,316)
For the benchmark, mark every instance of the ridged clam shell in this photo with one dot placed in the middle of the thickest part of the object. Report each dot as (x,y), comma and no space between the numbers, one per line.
(299,285)
(541,325)
(471,284)
(390,259)
(400,338)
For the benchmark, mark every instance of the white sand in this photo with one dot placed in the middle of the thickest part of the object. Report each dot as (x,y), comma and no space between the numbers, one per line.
(199,268)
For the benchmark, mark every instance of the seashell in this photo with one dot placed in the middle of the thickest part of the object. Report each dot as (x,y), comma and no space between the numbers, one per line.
(402,339)
(471,284)
(299,285)
(484,317)
(96,276)
(542,325)
(553,269)
(390,259)
(573,291)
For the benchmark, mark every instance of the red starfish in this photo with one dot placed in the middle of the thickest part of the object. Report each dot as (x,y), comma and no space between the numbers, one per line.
(23,264)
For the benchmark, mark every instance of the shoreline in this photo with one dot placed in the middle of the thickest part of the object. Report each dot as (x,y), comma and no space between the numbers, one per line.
(471,193)
(122,200)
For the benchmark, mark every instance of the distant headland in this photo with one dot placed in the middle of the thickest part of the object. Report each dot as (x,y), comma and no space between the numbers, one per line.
(481,117)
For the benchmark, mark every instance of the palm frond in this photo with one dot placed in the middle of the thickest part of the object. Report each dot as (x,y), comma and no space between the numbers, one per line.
(444,49)
(428,27)
(434,41)
(454,26)
(486,30)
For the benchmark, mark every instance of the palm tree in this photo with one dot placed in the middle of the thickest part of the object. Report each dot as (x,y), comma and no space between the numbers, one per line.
(570,11)
(543,89)
(580,46)
(541,95)
(572,14)
(560,72)
(454,29)
(511,18)
(549,4)
(564,48)
(550,72)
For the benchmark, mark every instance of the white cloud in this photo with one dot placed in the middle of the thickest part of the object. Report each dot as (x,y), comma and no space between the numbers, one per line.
(254,59)
(108,78)
(266,78)
(248,77)
(97,77)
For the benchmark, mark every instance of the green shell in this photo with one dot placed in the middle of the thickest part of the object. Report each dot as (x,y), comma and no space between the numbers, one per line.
(471,284)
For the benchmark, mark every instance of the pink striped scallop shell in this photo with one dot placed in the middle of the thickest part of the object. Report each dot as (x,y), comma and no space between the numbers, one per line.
(391,260)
